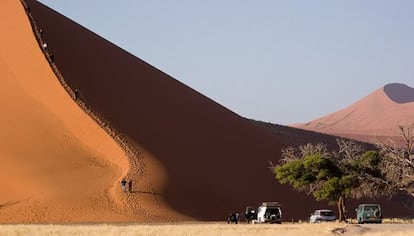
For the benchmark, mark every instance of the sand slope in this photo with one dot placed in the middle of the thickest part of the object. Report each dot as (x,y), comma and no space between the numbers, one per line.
(192,156)
(57,164)
(376,115)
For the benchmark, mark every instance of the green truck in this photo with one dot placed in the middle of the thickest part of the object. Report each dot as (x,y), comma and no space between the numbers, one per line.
(369,213)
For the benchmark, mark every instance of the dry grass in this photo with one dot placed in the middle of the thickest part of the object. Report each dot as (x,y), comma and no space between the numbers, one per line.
(286,229)
(170,229)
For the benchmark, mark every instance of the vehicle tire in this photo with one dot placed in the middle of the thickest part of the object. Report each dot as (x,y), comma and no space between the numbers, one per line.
(377,214)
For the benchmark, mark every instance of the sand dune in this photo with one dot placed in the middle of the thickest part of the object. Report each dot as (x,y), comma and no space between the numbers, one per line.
(189,157)
(374,116)
(210,155)
(57,164)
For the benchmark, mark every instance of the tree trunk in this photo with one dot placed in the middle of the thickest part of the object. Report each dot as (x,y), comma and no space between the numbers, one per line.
(344,212)
(341,209)
(338,203)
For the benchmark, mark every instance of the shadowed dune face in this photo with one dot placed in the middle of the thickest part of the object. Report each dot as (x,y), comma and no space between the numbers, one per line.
(399,93)
(211,154)
(215,161)
(56,163)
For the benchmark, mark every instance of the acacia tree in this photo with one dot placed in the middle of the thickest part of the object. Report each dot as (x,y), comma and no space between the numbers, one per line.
(398,168)
(397,163)
(406,131)
(363,166)
(331,176)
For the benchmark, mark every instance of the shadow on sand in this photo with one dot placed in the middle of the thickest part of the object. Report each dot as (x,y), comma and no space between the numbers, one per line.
(144,192)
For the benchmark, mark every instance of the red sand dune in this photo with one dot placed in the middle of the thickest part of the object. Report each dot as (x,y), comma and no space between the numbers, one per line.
(54,158)
(375,116)
(193,159)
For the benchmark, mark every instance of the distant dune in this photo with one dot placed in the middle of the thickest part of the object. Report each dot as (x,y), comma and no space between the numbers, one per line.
(192,158)
(375,116)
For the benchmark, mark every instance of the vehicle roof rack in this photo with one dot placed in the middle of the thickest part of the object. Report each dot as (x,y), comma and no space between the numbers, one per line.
(271,204)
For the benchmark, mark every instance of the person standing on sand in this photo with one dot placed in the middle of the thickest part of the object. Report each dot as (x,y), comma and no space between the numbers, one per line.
(76,92)
(123,185)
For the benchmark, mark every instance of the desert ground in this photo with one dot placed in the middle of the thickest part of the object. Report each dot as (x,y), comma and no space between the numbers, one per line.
(286,229)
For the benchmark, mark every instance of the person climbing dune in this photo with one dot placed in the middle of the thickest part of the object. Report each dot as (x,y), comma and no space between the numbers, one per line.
(123,185)
(76,94)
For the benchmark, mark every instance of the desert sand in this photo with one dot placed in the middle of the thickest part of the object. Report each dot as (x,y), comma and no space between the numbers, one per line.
(57,164)
(190,158)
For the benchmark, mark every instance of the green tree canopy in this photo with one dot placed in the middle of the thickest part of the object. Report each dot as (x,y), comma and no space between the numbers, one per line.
(333,176)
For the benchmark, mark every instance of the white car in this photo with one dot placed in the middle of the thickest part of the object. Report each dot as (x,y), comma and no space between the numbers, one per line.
(269,212)
(322,216)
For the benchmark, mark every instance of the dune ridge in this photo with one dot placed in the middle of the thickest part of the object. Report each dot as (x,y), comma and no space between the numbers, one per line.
(133,208)
(58,164)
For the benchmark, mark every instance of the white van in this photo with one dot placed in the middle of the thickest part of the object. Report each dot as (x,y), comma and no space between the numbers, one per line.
(269,212)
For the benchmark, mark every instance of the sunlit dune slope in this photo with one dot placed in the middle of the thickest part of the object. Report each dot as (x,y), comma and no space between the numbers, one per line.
(56,163)
(374,116)
(193,155)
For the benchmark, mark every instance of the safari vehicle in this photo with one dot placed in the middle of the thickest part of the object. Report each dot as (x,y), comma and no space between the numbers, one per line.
(369,213)
(250,214)
(269,212)
(322,216)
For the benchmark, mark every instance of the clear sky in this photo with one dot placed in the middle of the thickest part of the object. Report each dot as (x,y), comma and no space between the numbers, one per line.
(278,61)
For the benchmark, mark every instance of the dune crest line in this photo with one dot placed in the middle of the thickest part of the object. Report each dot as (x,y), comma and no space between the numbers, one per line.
(136,169)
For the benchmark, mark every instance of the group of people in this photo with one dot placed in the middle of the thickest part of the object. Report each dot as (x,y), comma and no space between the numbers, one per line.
(233,218)
(124,186)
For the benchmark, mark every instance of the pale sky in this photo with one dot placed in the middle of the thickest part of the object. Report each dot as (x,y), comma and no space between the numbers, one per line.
(277,61)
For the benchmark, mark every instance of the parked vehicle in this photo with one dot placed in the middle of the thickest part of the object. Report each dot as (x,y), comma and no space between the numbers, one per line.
(369,213)
(321,216)
(269,212)
(250,214)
